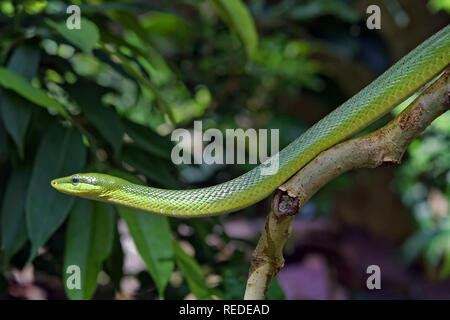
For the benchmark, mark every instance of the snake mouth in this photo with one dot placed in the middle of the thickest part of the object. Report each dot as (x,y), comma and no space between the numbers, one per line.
(55,184)
(61,186)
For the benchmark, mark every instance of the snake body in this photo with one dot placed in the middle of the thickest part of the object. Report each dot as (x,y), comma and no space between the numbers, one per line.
(382,95)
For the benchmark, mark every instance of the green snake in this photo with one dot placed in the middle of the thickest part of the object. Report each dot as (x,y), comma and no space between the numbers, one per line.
(395,85)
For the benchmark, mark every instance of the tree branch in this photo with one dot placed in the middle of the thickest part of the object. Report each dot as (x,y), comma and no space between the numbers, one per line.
(384,146)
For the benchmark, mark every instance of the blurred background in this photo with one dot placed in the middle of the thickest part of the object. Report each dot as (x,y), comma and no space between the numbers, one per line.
(105,98)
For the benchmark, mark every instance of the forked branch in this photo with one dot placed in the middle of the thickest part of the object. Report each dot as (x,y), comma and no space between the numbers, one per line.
(384,146)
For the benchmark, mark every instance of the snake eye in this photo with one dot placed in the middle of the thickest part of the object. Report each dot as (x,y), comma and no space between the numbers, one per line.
(75,180)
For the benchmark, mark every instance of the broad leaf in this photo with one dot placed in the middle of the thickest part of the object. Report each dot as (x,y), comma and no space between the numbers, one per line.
(25,60)
(114,6)
(14,231)
(309,10)
(89,240)
(14,81)
(148,140)
(3,143)
(238,18)
(192,272)
(16,110)
(89,97)
(61,153)
(113,266)
(17,114)
(152,167)
(151,235)
(84,38)
(275,291)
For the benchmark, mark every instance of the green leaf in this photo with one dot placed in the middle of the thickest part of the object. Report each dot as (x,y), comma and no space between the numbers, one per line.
(275,291)
(113,266)
(17,114)
(192,272)
(154,62)
(114,6)
(233,276)
(166,25)
(148,140)
(437,5)
(415,245)
(436,253)
(12,80)
(145,82)
(444,272)
(309,10)
(14,231)
(16,110)
(237,16)
(88,95)
(25,60)
(84,38)
(151,235)
(61,153)
(89,240)
(130,22)
(154,168)
(3,143)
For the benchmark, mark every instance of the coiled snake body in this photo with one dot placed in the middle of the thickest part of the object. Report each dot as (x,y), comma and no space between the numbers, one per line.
(382,95)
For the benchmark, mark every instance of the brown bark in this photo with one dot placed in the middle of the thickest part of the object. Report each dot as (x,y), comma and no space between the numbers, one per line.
(385,146)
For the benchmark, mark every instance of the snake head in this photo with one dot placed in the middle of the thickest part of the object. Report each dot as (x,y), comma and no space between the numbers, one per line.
(86,185)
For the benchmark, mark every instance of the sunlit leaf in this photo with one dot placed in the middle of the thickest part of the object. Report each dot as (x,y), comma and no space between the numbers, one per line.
(162,25)
(84,38)
(16,82)
(34,6)
(61,153)
(89,240)
(442,123)
(436,5)
(145,82)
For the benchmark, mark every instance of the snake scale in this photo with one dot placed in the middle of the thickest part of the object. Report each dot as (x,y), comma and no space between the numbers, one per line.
(392,87)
